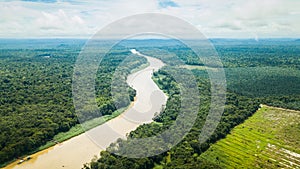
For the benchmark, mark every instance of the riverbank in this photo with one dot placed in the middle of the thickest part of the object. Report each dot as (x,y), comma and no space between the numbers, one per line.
(77,129)
(73,132)
(78,150)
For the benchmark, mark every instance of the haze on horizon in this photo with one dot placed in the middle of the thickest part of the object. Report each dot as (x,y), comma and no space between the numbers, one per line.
(81,19)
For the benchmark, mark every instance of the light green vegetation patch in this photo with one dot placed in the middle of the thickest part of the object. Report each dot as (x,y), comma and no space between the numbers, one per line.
(194,67)
(268,139)
(78,129)
(143,66)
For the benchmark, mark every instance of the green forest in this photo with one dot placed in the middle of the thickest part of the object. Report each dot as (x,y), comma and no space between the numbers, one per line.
(36,93)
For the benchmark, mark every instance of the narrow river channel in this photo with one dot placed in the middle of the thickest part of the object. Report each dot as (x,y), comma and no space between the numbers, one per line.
(78,150)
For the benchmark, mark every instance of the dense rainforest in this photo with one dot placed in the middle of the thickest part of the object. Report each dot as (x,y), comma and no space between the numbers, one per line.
(36,93)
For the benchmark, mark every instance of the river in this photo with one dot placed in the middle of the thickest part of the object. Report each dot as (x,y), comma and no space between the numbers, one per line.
(79,150)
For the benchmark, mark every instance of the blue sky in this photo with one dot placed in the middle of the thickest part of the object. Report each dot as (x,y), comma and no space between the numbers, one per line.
(166,4)
(214,18)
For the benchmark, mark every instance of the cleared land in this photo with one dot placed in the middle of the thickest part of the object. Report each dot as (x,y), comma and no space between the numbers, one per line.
(268,139)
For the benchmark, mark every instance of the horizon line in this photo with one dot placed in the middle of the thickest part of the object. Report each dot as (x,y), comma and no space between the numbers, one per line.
(86,38)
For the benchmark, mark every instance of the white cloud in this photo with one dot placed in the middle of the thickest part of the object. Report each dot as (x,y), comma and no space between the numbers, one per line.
(232,18)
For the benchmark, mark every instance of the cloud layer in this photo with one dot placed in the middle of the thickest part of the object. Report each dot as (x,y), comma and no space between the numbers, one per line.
(78,18)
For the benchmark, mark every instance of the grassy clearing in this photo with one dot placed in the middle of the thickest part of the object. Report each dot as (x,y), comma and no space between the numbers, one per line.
(191,67)
(143,66)
(268,139)
(79,129)
(194,67)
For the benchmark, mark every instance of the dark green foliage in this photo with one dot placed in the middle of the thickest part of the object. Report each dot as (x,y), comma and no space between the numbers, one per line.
(273,86)
(249,53)
(268,70)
